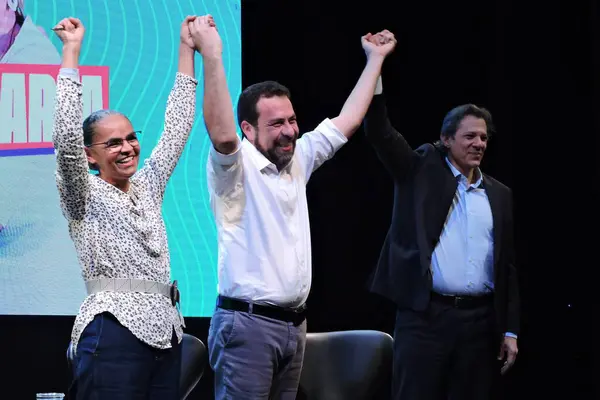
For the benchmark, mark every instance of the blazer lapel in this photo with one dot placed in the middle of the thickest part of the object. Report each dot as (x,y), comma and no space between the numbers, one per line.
(495,200)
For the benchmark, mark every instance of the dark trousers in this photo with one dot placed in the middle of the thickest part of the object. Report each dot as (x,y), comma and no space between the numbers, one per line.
(111,363)
(445,353)
(255,357)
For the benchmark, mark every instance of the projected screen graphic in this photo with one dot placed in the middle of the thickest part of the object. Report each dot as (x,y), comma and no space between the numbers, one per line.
(129,61)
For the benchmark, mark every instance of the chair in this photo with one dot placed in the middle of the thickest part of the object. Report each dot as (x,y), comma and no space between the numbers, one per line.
(346,365)
(193,363)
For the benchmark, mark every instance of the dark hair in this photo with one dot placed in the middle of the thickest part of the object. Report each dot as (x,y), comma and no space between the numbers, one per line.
(246,107)
(89,128)
(19,17)
(455,116)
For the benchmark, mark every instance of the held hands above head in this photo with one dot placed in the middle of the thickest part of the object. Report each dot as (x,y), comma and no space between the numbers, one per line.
(380,44)
(205,37)
(377,47)
(185,35)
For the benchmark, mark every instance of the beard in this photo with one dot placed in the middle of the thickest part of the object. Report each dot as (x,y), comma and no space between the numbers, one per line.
(276,153)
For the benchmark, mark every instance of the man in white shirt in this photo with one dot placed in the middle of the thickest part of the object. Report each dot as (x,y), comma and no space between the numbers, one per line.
(258,195)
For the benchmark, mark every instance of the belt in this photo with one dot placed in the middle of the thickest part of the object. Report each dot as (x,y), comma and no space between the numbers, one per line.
(463,301)
(134,285)
(295,315)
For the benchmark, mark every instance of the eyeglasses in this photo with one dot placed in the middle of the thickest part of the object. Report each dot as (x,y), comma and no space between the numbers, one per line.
(115,145)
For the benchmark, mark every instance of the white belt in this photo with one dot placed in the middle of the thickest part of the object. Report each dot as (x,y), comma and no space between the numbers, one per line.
(133,285)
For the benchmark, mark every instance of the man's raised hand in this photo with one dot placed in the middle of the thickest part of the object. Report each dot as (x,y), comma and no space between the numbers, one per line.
(381,43)
(205,36)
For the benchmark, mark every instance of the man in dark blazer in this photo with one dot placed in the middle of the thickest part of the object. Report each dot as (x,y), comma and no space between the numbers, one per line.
(448,259)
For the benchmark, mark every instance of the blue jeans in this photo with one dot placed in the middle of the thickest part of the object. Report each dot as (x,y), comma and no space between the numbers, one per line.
(255,357)
(111,363)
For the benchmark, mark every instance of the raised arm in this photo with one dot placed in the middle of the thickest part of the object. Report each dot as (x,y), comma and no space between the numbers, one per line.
(67,134)
(356,105)
(318,146)
(179,115)
(392,149)
(224,169)
(217,106)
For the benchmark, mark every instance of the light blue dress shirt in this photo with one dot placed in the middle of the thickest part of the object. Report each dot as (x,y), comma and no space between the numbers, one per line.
(463,260)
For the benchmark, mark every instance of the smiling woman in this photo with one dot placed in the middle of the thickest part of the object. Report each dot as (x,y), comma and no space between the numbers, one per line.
(112,146)
(116,224)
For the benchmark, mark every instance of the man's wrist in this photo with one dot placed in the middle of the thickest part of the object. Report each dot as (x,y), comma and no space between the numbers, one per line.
(375,56)
(212,55)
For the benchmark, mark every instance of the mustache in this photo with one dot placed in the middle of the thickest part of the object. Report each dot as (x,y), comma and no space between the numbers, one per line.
(284,141)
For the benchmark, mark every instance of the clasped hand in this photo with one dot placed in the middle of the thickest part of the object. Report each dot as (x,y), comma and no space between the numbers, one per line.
(200,33)
(380,44)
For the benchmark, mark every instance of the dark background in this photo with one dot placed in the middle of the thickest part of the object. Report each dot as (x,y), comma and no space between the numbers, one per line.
(535,66)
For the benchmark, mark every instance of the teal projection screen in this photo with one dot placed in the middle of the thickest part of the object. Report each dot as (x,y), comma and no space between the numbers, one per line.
(129,61)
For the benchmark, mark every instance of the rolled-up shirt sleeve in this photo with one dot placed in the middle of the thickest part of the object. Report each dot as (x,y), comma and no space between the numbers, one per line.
(318,146)
(224,171)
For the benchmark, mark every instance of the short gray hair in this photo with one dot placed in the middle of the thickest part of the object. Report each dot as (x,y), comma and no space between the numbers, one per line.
(89,128)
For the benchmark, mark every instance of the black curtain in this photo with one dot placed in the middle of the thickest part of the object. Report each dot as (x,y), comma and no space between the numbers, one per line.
(536,67)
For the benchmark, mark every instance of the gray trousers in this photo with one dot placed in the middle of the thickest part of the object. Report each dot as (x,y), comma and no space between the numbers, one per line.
(255,357)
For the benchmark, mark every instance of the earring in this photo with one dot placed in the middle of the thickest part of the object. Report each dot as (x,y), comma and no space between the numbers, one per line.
(12,4)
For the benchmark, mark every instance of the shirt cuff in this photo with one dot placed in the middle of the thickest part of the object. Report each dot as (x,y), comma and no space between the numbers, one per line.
(226,159)
(333,135)
(379,86)
(186,78)
(510,334)
(72,73)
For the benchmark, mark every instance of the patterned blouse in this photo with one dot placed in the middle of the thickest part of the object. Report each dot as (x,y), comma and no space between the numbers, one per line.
(121,234)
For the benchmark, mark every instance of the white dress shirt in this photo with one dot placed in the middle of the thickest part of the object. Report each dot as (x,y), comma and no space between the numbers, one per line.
(262,218)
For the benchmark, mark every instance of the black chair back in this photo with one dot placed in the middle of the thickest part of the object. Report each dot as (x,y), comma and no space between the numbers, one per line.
(346,365)
(194,358)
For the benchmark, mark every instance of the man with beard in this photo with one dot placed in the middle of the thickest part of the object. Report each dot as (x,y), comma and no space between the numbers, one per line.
(257,190)
(448,259)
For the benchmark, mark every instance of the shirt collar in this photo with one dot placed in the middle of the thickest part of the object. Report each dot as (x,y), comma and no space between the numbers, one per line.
(258,159)
(458,174)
